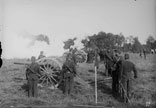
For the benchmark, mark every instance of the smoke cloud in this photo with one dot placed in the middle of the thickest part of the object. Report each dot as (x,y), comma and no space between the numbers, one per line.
(34,38)
(43,38)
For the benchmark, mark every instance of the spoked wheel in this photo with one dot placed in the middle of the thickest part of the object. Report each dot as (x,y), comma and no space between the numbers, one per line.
(49,71)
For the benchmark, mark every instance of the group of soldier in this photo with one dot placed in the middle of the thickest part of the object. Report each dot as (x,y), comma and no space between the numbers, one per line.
(66,77)
(120,69)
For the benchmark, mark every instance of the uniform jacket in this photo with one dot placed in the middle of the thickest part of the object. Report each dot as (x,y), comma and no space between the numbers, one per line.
(32,71)
(109,59)
(41,56)
(68,70)
(127,68)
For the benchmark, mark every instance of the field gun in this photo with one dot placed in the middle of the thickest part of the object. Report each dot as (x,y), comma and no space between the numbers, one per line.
(50,67)
(18,63)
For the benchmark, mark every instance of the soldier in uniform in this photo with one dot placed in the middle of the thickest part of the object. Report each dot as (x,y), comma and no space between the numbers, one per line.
(126,77)
(1,62)
(32,72)
(140,54)
(109,59)
(144,52)
(67,75)
(74,55)
(116,71)
(41,55)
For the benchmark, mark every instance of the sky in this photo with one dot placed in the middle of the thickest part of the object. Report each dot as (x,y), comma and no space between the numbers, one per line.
(63,19)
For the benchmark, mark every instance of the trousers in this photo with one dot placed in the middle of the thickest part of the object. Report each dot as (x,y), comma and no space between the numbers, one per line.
(68,86)
(32,85)
(127,89)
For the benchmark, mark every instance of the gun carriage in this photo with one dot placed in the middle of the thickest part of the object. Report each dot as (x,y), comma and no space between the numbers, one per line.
(50,67)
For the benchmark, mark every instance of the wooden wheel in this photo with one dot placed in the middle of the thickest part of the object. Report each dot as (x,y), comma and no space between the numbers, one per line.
(49,71)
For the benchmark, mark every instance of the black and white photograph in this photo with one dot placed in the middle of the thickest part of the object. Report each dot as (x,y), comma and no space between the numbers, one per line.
(77,53)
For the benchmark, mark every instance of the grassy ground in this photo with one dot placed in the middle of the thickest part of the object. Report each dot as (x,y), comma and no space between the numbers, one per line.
(13,94)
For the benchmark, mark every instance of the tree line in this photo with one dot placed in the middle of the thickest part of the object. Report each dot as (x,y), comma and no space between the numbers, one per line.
(103,40)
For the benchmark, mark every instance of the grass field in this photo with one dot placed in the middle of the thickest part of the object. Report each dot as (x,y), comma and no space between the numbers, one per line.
(13,94)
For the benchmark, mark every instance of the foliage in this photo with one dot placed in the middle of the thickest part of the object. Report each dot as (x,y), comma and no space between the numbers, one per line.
(136,47)
(151,42)
(68,43)
(103,40)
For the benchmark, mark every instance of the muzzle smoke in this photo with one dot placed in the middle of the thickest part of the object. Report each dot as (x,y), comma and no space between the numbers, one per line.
(34,38)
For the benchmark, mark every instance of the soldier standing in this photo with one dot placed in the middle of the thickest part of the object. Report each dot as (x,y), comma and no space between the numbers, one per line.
(119,71)
(41,55)
(140,54)
(67,75)
(144,52)
(32,72)
(109,59)
(126,77)
(74,55)
(116,70)
(1,62)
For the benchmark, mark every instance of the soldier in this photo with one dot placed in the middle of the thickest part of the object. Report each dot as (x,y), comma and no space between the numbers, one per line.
(109,59)
(67,75)
(1,62)
(126,77)
(41,55)
(140,53)
(32,72)
(116,70)
(74,55)
(144,52)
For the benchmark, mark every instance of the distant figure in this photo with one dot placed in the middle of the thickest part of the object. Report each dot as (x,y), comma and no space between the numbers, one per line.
(152,51)
(126,77)
(1,62)
(32,72)
(72,56)
(67,76)
(140,53)
(144,52)
(41,55)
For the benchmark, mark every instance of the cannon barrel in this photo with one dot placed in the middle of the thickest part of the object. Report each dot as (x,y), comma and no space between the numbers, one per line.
(18,63)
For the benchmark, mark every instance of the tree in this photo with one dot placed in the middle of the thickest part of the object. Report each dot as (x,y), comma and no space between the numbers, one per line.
(104,40)
(127,47)
(68,43)
(130,39)
(136,47)
(150,42)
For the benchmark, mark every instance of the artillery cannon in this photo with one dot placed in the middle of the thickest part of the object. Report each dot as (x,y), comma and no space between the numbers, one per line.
(50,67)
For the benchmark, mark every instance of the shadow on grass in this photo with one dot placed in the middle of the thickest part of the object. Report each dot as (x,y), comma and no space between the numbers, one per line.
(91,70)
(102,86)
(25,87)
(99,72)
